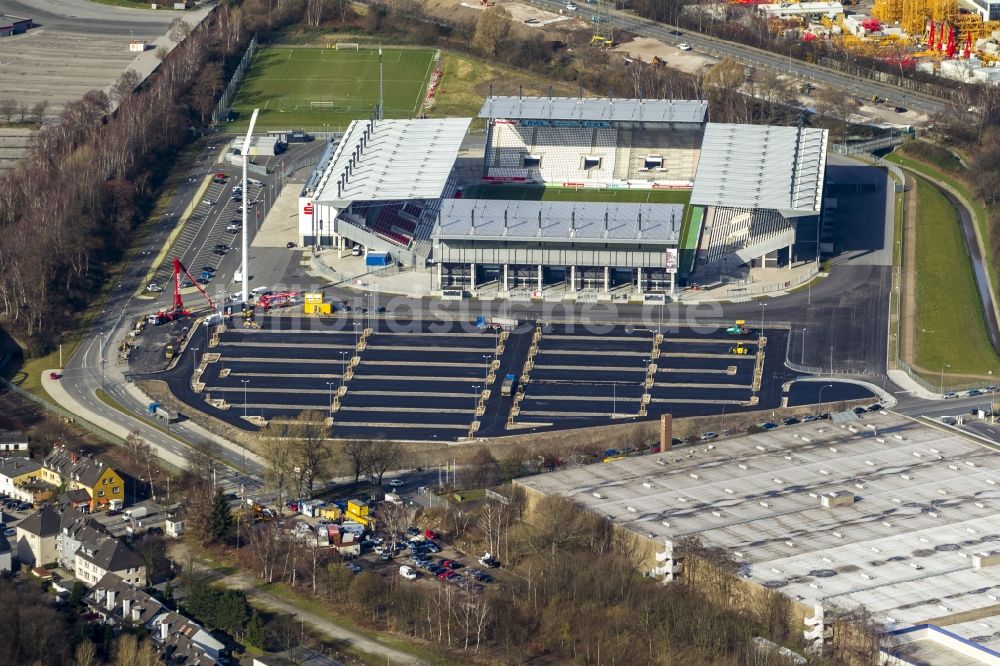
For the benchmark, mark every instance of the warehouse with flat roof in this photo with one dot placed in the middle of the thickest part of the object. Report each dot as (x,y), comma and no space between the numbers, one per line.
(881,511)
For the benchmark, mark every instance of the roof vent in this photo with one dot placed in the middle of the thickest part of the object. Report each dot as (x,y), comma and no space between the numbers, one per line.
(838,498)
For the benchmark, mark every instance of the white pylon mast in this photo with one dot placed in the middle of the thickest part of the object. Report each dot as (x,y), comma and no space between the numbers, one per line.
(246,159)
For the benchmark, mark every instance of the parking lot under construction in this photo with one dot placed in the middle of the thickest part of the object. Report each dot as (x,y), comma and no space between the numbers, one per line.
(436,380)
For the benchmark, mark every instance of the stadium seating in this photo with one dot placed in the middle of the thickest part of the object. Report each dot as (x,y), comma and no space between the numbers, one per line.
(744,231)
(618,154)
(679,150)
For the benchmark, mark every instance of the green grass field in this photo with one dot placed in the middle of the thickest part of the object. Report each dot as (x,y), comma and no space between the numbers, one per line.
(314,88)
(538,193)
(951,328)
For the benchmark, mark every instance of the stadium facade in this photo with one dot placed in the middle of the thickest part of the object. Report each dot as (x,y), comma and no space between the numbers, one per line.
(392,186)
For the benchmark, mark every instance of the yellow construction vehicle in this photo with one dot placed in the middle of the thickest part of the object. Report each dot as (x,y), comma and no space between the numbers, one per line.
(170,350)
(739,350)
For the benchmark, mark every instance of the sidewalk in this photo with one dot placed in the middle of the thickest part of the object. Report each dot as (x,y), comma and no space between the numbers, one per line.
(55,389)
(903,381)
(349,637)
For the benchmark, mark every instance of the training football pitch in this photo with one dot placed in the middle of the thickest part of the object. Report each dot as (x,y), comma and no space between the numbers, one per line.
(317,88)
(538,193)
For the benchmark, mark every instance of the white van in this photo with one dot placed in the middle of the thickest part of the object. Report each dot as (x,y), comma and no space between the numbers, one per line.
(257,291)
(356,251)
(255,182)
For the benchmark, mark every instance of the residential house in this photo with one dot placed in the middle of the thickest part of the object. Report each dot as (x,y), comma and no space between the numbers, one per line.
(94,560)
(68,470)
(6,556)
(13,442)
(183,641)
(75,529)
(180,640)
(36,537)
(174,523)
(17,475)
(117,603)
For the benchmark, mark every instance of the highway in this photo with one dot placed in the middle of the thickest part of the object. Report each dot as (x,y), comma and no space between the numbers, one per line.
(863,88)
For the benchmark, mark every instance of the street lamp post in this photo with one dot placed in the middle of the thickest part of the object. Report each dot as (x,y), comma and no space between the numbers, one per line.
(762,306)
(614,399)
(101,350)
(802,358)
(475,399)
(329,385)
(343,367)
(244,446)
(941,385)
(195,350)
(821,394)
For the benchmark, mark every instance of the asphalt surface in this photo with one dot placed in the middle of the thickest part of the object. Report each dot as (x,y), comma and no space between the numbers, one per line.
(863,88)
(425,383)
(85,372)
(81,16)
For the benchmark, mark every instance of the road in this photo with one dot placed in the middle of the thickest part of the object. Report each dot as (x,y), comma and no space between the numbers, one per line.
(863,88)
(82,16)
(85,372)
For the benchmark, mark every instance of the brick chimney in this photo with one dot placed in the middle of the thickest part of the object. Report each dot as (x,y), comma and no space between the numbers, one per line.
(666,432)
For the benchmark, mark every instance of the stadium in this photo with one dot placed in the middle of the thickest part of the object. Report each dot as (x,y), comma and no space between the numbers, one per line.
(574,198)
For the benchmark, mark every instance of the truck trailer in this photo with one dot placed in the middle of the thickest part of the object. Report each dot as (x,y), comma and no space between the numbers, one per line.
(507,388)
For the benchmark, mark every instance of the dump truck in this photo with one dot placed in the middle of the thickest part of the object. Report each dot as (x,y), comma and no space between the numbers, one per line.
(738,350)
(508,385)
(739,328)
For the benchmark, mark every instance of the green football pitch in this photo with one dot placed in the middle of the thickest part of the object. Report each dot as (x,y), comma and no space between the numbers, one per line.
(316,88)
(538,193)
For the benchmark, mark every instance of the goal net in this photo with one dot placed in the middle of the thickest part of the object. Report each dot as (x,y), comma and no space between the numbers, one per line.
(346,46)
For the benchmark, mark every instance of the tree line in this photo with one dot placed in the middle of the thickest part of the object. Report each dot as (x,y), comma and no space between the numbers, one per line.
(69,208)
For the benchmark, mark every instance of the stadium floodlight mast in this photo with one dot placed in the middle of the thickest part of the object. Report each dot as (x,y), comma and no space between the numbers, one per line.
(246,158)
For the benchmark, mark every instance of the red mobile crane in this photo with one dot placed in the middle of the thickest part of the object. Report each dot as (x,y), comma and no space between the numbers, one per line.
(177,310)
(277,300)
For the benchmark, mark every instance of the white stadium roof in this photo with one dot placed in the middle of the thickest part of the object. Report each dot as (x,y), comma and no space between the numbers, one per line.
(925,506)
(594,109)
(760,166)
(578,222)
(388,160)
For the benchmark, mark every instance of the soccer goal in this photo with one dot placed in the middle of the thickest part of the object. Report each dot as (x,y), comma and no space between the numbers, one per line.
(346,46)
(320,105)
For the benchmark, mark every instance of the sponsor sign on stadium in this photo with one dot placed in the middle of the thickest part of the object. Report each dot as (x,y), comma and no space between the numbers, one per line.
(563,123)
(670,260)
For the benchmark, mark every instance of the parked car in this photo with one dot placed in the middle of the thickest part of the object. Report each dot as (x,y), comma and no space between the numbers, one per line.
(705,436)
(684,46)
(949,395)
(412,531)
(768,425)
(430,534)
(443,574)
(395,483)
(860,410)
(973,393)
(876,407)
(810,418)
(154,286)
(791,420)
(407,572)
(208,202)
(290,244)
(352,567)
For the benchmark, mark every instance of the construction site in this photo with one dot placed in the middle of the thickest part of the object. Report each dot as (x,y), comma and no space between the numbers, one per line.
(957,39)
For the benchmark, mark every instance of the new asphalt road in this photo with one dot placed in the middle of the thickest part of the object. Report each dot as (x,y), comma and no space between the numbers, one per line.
(863,88)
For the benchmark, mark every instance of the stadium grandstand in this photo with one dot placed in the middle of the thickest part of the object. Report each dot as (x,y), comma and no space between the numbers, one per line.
(577,198)
(527,247)
(757,188)
(381,185)
(583,142)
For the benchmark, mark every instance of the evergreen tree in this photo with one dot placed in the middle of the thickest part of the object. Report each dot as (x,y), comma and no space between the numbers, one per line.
(254,632)
(221,522)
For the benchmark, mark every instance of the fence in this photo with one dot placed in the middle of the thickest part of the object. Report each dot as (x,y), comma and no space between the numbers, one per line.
(234,82)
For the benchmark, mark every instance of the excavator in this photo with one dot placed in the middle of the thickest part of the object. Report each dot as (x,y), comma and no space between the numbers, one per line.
(739,349)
